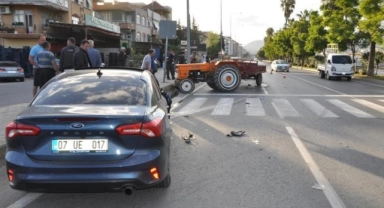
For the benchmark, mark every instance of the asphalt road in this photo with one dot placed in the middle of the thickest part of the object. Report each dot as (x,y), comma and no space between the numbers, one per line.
(308,142)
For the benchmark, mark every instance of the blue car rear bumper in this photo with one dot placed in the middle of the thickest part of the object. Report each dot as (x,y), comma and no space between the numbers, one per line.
(45,176)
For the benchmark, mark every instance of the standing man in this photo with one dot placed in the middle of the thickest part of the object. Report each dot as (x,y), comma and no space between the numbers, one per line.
(80,57)
(181,57)
(122,57)
(147,60)
(33,60)
(66,55)
(47,65)
(94,54)
(170,62)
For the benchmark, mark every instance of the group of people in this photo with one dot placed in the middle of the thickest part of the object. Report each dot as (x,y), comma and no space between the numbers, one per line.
(71,56)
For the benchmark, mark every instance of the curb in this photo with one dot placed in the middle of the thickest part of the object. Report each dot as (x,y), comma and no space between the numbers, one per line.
(170,89)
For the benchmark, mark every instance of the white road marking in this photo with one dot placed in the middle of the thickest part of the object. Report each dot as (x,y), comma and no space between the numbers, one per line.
(223,107)
(177,99)
(284,108)
(369,84)
(265,91)
(194,105)
(350,109)
(370,105)
(286,95)
(319,85)
(328,190)
(318,109)
(27,199)
(254,107)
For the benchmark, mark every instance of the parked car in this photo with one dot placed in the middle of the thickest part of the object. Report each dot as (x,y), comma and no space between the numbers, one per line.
(280,65)
(92,130)
(11,70)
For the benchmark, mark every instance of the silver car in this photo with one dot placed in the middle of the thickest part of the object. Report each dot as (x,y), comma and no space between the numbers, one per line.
(11,70)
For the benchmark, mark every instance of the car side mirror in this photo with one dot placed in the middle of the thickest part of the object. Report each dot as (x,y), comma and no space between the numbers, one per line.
(329,61)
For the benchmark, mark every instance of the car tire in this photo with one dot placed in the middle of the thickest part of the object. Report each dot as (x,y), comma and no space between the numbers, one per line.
(322,74)
(259,80)
(349,78)
(166,182)
(328,77)
(21,79)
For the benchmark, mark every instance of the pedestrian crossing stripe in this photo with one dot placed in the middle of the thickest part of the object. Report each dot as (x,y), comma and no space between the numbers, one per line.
(254,107)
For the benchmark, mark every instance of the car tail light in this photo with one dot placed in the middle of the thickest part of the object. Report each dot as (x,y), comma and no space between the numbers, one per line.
(14,130)
(155,173)
(21,70)
(10,175)
(149,129)
(2,70)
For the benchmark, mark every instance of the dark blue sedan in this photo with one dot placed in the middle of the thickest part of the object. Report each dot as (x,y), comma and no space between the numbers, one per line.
(92,131)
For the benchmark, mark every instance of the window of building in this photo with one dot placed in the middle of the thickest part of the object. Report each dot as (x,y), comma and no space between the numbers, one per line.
(19,16)
(129,18)
(143,21)
(107,16)
(143,37)
(148,38)
(138,37)
(75,20)
(138,19)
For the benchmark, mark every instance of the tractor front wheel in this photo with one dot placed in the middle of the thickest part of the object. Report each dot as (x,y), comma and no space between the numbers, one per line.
(186,86)
(227,78)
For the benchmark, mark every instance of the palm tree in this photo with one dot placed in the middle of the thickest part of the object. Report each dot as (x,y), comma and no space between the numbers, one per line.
(287,6)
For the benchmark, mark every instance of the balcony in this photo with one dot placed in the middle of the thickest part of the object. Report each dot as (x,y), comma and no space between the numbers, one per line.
(19,30)
(61,5)
(124,25)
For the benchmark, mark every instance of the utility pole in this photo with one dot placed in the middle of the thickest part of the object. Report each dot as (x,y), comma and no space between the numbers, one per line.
(188,35)
(221,26)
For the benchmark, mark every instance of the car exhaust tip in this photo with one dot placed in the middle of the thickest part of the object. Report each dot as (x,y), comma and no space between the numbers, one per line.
(128,191)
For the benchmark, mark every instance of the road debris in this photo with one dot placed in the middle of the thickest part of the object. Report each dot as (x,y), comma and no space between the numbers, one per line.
(236,133)
(188,139)
(318,187)
(256,141)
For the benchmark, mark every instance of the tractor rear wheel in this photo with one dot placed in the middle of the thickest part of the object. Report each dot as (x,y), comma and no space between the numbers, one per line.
(259,79)
(227,78)
(211,84)
(186,86)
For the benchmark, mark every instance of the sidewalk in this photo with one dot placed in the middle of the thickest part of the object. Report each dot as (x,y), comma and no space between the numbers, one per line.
(9,113)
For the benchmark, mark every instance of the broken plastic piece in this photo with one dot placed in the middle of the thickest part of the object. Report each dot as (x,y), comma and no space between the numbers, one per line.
(318,187)
(237,133)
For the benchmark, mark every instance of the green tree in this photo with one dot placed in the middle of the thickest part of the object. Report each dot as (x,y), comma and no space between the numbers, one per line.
(260,54)
(300,35)
(373,17)
(342,19)
(195,33)
(288,7)
(213,44)
(316,41)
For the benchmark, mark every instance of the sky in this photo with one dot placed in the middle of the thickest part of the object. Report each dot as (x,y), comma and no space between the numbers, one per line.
(250,18)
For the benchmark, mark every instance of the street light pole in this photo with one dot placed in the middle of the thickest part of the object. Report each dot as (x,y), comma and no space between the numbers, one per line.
(221,27)
(188,35)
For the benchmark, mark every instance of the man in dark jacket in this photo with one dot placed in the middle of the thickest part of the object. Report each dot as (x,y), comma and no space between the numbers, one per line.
(122,57)
(181,57)
(80,57)
(66,55)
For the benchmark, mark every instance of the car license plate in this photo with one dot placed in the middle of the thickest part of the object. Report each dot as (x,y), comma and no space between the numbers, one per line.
(343,73)
(80,146)
(11,71)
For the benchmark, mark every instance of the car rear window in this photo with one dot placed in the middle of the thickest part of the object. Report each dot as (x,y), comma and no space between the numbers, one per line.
(281,62)
(341,60)
(9,64)
(91,90)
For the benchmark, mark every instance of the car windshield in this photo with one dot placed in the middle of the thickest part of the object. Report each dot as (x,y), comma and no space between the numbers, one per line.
(108,90)
(281,62)
(341,60)
(9,64)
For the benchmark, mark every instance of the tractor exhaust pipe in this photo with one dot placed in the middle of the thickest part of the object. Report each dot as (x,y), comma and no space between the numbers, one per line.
(128,191)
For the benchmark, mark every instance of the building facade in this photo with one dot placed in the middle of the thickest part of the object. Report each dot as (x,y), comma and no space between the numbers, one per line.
(22,21)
